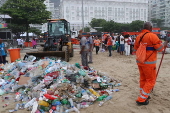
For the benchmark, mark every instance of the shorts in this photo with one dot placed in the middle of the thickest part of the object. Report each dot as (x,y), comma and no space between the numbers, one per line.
(122,47)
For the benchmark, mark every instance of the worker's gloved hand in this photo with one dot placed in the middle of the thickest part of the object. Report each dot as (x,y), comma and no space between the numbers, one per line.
(166,44)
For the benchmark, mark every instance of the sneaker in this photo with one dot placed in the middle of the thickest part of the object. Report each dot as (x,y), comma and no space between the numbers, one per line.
(143,103)
(149,97)
(90,62)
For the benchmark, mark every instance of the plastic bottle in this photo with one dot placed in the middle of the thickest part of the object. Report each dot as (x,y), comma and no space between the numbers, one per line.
(43,103)
(85,95)
(114,90)
(106,99)
(2,92)
(51,97)
(71,102)
(2,81)
(101,97)
(64,101)
(56,102)
(118,84)
(61,109)
(84,106)
(94,92)
(43,108)
(72,109)
(39,86)
(30,103)
(35,106)
(58,108)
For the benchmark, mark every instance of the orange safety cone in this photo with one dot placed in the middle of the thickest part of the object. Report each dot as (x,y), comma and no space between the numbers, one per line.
(14,54)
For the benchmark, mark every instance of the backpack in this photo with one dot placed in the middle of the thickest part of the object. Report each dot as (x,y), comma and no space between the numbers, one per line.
(141,51)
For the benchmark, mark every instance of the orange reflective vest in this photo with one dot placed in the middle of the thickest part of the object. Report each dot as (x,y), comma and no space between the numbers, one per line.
(154,44)
(97,42)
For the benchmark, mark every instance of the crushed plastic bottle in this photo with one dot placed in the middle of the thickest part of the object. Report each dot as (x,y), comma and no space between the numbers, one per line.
(30,103)
(106,99)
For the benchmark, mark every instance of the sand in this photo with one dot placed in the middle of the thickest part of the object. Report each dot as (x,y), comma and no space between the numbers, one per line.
(124,68)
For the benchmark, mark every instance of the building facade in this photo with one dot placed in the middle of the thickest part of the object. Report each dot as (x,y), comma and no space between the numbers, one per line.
(122,11)
(160,9)
(55,13)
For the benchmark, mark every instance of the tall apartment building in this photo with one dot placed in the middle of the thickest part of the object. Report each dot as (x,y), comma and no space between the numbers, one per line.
(122,11)
(54,15)
(160,9)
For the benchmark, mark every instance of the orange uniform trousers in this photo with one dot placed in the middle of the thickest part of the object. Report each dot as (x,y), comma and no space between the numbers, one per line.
(147,81)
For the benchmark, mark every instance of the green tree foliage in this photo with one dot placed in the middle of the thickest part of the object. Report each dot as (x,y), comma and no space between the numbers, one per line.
(97,23)
(136,25)
(17,30)
(86,29)
(35,31)
(158,22)
(112,26)
(25,12)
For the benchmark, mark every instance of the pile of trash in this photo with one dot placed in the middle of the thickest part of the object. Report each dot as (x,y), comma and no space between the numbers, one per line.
(54,86)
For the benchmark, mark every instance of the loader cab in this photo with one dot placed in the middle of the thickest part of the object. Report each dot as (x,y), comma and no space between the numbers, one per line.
(58,27)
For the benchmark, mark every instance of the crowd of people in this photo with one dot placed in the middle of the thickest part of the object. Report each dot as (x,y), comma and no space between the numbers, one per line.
(122,44)
(21,41)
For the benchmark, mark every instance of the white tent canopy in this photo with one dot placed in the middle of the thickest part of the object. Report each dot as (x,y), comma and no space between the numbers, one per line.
(29,34)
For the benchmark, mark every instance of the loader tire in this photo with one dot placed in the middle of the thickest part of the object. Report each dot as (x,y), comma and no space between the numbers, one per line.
(67,55)
(72,51)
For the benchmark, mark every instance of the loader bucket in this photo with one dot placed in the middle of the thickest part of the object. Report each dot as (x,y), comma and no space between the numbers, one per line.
(63,54)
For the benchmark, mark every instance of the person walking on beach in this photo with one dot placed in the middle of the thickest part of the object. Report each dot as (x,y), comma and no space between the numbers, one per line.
(34,43)
(20,42)
(90,46)
(109,44)
(83,50)
(127,45)
(97,44)
(147,69)
(122,45)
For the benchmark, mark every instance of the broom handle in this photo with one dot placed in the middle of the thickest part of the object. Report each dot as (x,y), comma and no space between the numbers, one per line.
(160,64)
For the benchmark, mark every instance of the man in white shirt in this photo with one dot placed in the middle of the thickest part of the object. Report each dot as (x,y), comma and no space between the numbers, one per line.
(20,42)
(122,45)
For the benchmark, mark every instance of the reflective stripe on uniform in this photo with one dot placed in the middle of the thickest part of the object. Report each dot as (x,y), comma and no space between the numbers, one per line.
(143,97)
(150,48)
(153,62)
(160,48)
(145,93)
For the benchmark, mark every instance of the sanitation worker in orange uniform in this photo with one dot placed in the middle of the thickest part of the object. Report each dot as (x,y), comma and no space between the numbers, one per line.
(147,69)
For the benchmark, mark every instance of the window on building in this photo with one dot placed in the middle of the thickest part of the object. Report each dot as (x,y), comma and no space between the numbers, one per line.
(72,7)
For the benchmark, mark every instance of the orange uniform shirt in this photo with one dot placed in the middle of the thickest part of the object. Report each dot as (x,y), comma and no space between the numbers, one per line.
(109,41)
(97,42)
(152,42)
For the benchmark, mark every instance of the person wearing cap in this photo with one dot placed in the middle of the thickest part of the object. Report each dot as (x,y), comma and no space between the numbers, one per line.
(2,53)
